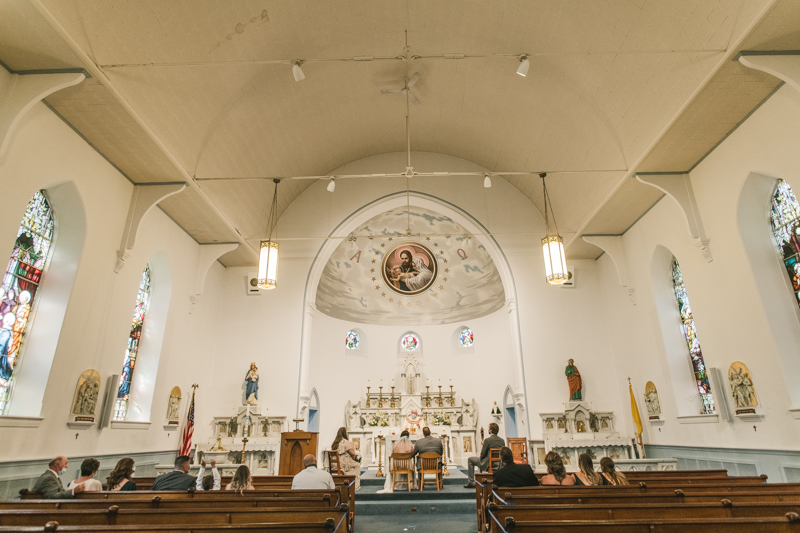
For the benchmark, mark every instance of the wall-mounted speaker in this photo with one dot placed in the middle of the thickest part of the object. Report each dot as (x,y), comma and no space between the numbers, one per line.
(251,285)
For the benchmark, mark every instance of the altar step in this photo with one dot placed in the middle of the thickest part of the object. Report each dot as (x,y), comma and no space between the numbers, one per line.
(452,499)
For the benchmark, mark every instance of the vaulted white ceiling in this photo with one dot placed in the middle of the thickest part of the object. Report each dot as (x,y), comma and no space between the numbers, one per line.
(202,90)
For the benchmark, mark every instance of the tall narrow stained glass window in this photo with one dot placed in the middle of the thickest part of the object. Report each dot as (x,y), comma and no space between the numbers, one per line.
(20,283)
(785,217)
(126,377)
(690,334)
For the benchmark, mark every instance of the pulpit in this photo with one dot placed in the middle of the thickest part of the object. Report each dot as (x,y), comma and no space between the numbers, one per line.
(294,446)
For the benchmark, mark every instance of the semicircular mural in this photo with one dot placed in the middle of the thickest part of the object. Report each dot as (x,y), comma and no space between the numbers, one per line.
(436,275)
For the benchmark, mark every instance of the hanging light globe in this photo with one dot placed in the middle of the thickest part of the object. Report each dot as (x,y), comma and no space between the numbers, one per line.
(268,251)
(555,261)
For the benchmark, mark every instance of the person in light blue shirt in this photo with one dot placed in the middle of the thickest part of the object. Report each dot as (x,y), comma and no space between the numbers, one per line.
(311,477)
(214,481)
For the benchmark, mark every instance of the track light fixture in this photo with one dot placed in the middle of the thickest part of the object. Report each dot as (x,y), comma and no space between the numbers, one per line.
(487,181)
(524,65)
(332,185)
(297,72)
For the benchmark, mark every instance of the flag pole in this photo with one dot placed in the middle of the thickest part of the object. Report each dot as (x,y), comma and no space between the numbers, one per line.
(637,420)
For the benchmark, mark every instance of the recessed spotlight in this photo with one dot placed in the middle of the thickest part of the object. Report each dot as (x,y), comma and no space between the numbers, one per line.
(297,72)
(524,65)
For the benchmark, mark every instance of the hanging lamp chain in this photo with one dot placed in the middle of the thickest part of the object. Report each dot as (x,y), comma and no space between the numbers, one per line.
(272,218)
(547,205)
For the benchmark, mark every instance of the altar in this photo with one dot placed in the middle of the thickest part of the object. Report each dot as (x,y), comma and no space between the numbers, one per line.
(374,421)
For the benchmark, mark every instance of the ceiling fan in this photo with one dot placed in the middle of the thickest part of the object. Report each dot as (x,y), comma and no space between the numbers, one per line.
(408,83)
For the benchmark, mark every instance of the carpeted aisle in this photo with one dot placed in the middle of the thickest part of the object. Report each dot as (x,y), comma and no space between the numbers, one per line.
(451,510)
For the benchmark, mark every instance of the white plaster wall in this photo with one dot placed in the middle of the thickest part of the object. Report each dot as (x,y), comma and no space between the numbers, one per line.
(730,314)
(43,153)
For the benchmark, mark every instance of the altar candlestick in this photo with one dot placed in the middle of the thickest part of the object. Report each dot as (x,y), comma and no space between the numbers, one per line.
(452,398)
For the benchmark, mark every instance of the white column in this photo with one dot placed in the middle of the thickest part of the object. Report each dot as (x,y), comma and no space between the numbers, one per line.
(303,392)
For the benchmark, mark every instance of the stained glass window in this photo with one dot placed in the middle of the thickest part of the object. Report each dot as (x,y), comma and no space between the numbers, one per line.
(690,334)
(20,283)
(126,377)
(351,340)
(409,342)
(466,337)
(785,215)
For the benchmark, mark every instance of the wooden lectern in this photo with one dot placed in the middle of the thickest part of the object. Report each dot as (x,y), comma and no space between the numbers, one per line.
(294,446)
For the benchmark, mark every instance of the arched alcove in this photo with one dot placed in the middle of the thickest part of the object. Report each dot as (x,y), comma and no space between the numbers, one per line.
(313,411)
(50,306)
(773,286)
(676,352)
(147,360)
(510,413)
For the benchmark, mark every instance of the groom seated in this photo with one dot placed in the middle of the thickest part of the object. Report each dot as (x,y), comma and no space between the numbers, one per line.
(427,444)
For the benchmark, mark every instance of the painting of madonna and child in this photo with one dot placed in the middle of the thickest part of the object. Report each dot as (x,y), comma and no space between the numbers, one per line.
(409,268)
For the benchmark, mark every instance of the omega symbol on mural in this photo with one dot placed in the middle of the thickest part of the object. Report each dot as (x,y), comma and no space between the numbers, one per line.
(409,268)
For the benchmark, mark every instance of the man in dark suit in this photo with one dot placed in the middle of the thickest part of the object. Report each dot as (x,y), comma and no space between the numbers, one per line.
(428,443)
(512,474)
(49,484)
(178,479)
(482,462)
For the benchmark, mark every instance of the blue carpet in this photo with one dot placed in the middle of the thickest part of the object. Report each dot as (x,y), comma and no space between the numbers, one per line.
(438,523)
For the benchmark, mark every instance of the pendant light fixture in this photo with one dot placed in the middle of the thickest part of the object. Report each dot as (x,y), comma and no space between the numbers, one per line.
(555,262)
(268,253)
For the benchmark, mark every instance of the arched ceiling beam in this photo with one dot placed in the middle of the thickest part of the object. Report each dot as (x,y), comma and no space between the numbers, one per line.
(783,64)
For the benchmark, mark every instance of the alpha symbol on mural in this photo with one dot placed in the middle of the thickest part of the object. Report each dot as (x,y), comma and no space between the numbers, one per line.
(462,254)
(357,256)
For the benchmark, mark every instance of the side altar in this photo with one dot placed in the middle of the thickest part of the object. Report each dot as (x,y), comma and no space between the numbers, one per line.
(376,419)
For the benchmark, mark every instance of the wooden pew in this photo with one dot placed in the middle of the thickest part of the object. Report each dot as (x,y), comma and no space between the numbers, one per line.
(610,498)
(787,524)
(329,526)
(157,503)
(114,516)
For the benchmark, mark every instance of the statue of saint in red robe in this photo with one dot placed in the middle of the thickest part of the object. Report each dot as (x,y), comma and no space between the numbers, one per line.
(574,380)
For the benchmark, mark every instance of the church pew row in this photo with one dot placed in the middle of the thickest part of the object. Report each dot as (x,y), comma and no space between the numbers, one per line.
(787,524)
(329,526)
(157,503)
(610,498)
(113,516)
(632,511)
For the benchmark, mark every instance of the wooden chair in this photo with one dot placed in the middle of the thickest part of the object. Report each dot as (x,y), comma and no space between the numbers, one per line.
(401,464)
(494,457)
(333,462)
(519,447)
(429,464)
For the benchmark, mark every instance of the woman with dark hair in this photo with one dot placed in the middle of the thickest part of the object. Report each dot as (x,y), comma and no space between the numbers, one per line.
(556,473)
(121,477)
(609,470)
(89,469)
(587,476)
(347,456)
(242,480)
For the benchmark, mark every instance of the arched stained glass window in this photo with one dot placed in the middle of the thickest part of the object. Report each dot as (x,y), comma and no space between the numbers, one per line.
(126,377)
(20,283)
(351,340)
(785,217)
(466,338)
(690,334)
(409,342)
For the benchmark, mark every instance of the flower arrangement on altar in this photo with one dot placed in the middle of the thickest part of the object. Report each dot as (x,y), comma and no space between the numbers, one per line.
(441,419)
(378,419)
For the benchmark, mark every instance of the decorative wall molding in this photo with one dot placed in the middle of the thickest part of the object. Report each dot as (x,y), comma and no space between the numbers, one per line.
(127,424)
(698,419)
(783,64)
(614,246)
(145,197)
(207,255)
(23,91)
(21,421)
(678,186)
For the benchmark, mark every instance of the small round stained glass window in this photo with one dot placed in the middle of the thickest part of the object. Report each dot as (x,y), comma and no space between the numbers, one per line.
(466,338)
(351,340)
(409,342)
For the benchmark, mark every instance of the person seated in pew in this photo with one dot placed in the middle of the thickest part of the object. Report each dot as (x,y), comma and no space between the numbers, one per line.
(178,479)
(242,480)
(121,477)
(587,476)
(556,473)
(482,462)
(213,481)
(312,477)
(89,468)
(49,484)
(609,470)
(512,474)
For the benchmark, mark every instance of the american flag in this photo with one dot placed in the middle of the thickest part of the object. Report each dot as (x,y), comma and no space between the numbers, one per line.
(188,431)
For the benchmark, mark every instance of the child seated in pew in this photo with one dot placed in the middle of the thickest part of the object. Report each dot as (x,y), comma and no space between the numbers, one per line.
(242,480)
(212,481)
(556,473)
(608,469)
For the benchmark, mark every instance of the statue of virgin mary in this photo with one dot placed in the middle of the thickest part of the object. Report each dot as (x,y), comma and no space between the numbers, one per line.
(251,382)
